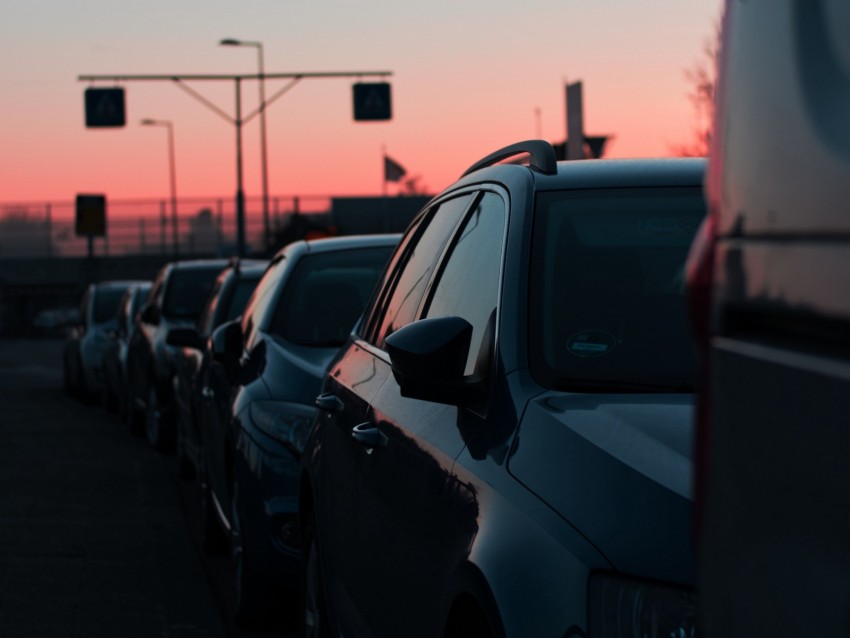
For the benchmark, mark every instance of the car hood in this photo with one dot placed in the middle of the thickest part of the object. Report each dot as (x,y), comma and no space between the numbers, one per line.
(618,468)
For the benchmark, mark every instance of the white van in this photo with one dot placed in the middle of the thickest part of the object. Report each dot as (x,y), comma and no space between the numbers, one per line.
(769,280)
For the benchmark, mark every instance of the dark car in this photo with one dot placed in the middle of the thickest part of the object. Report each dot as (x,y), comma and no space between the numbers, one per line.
(260,405)
(88,339)
(226,302)
(115,353)
(769,279)
(504,445)
(175,300)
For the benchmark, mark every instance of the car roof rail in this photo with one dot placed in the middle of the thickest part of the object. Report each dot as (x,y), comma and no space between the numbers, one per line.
(541,156)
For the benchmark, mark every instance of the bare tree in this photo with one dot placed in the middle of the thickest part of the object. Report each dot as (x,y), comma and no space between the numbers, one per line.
(702,78)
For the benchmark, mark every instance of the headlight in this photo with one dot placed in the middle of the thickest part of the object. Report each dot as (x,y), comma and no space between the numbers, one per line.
(623,608)
(289,423)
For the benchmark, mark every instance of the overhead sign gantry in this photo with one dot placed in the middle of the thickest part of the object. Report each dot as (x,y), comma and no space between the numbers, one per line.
(106,108)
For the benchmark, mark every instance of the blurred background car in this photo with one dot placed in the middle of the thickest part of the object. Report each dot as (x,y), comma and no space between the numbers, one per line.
(54,322)
(504,444)
(259,406)
(226,301)
(88,339)
(769,281)
(175,300)
(115,353)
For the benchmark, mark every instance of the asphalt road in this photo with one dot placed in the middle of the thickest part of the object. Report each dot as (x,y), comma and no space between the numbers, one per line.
(98,536)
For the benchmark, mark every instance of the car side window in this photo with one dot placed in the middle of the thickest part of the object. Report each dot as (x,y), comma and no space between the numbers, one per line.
(468,284)
(417,266)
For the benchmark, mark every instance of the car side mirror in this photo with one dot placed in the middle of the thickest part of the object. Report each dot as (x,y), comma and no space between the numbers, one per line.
(428,360)
(185,338)
(150,314)
(226,345)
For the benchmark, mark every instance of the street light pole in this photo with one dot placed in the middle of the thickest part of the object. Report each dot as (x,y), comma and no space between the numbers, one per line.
(240,189)
(173,178)
(263,134)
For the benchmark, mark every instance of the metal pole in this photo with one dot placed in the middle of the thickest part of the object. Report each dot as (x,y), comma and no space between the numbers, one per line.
(264,152)
(240,192)
(173,170)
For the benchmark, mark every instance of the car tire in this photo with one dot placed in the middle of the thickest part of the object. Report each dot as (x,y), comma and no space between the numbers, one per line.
(153,418)
(213,538)
(315,617)
(250,592)
(185,467)
(135,417)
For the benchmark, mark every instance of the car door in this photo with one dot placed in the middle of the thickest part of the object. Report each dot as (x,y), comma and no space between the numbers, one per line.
(416,522)
(354,377)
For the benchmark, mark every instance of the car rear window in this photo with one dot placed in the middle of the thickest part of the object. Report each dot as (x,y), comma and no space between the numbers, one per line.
(106,301)
(607,305)
(187,290)
(326,294)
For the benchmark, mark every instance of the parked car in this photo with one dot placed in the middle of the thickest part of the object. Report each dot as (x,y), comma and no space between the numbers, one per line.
(770,289)
(87,340)
(115,352)
(259,406)
(192,357)
(175,300)
(504,443)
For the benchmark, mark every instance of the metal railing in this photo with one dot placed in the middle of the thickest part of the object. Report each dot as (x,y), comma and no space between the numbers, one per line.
(203,226)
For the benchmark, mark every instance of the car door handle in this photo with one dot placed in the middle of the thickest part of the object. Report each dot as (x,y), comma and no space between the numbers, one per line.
(207,392)
(329,402)
(369,435)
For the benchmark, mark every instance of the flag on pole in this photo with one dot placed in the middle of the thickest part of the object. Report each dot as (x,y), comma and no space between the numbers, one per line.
(393,171)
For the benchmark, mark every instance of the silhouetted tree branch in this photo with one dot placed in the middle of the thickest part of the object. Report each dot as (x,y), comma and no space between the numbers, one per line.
(702,77)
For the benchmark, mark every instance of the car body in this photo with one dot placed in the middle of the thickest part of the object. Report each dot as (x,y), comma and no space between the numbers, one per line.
(88,339)
(115,353)
(260,397)
(504,444)
(176,299)
(770,289)
(226,301)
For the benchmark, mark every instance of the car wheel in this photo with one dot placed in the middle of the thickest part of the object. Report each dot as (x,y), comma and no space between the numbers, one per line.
(213,539)
(250,593)
(153,418)
(185,468)
(135,417)
(315,614)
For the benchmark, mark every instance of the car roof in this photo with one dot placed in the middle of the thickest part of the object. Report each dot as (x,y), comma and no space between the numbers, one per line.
(548,174)
(331,244)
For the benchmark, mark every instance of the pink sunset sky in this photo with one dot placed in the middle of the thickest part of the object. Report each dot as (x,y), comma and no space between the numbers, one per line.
(468,77)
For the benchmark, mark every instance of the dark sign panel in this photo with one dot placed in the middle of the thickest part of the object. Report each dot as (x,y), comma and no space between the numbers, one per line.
(372,101)
(91,215)
(105,108)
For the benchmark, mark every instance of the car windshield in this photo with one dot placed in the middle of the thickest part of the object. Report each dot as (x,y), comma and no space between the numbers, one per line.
(187,290)
(326,294)
(106,302)
(607,306)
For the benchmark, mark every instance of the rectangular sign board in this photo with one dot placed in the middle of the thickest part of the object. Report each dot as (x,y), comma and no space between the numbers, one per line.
(105,108)
(90,218)
(372,101)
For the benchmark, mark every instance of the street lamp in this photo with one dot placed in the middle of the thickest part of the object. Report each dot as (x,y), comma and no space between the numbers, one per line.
(263,152)
(172,171)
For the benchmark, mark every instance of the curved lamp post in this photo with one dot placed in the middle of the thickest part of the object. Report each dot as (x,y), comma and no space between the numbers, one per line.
(167,124)
(263,152)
